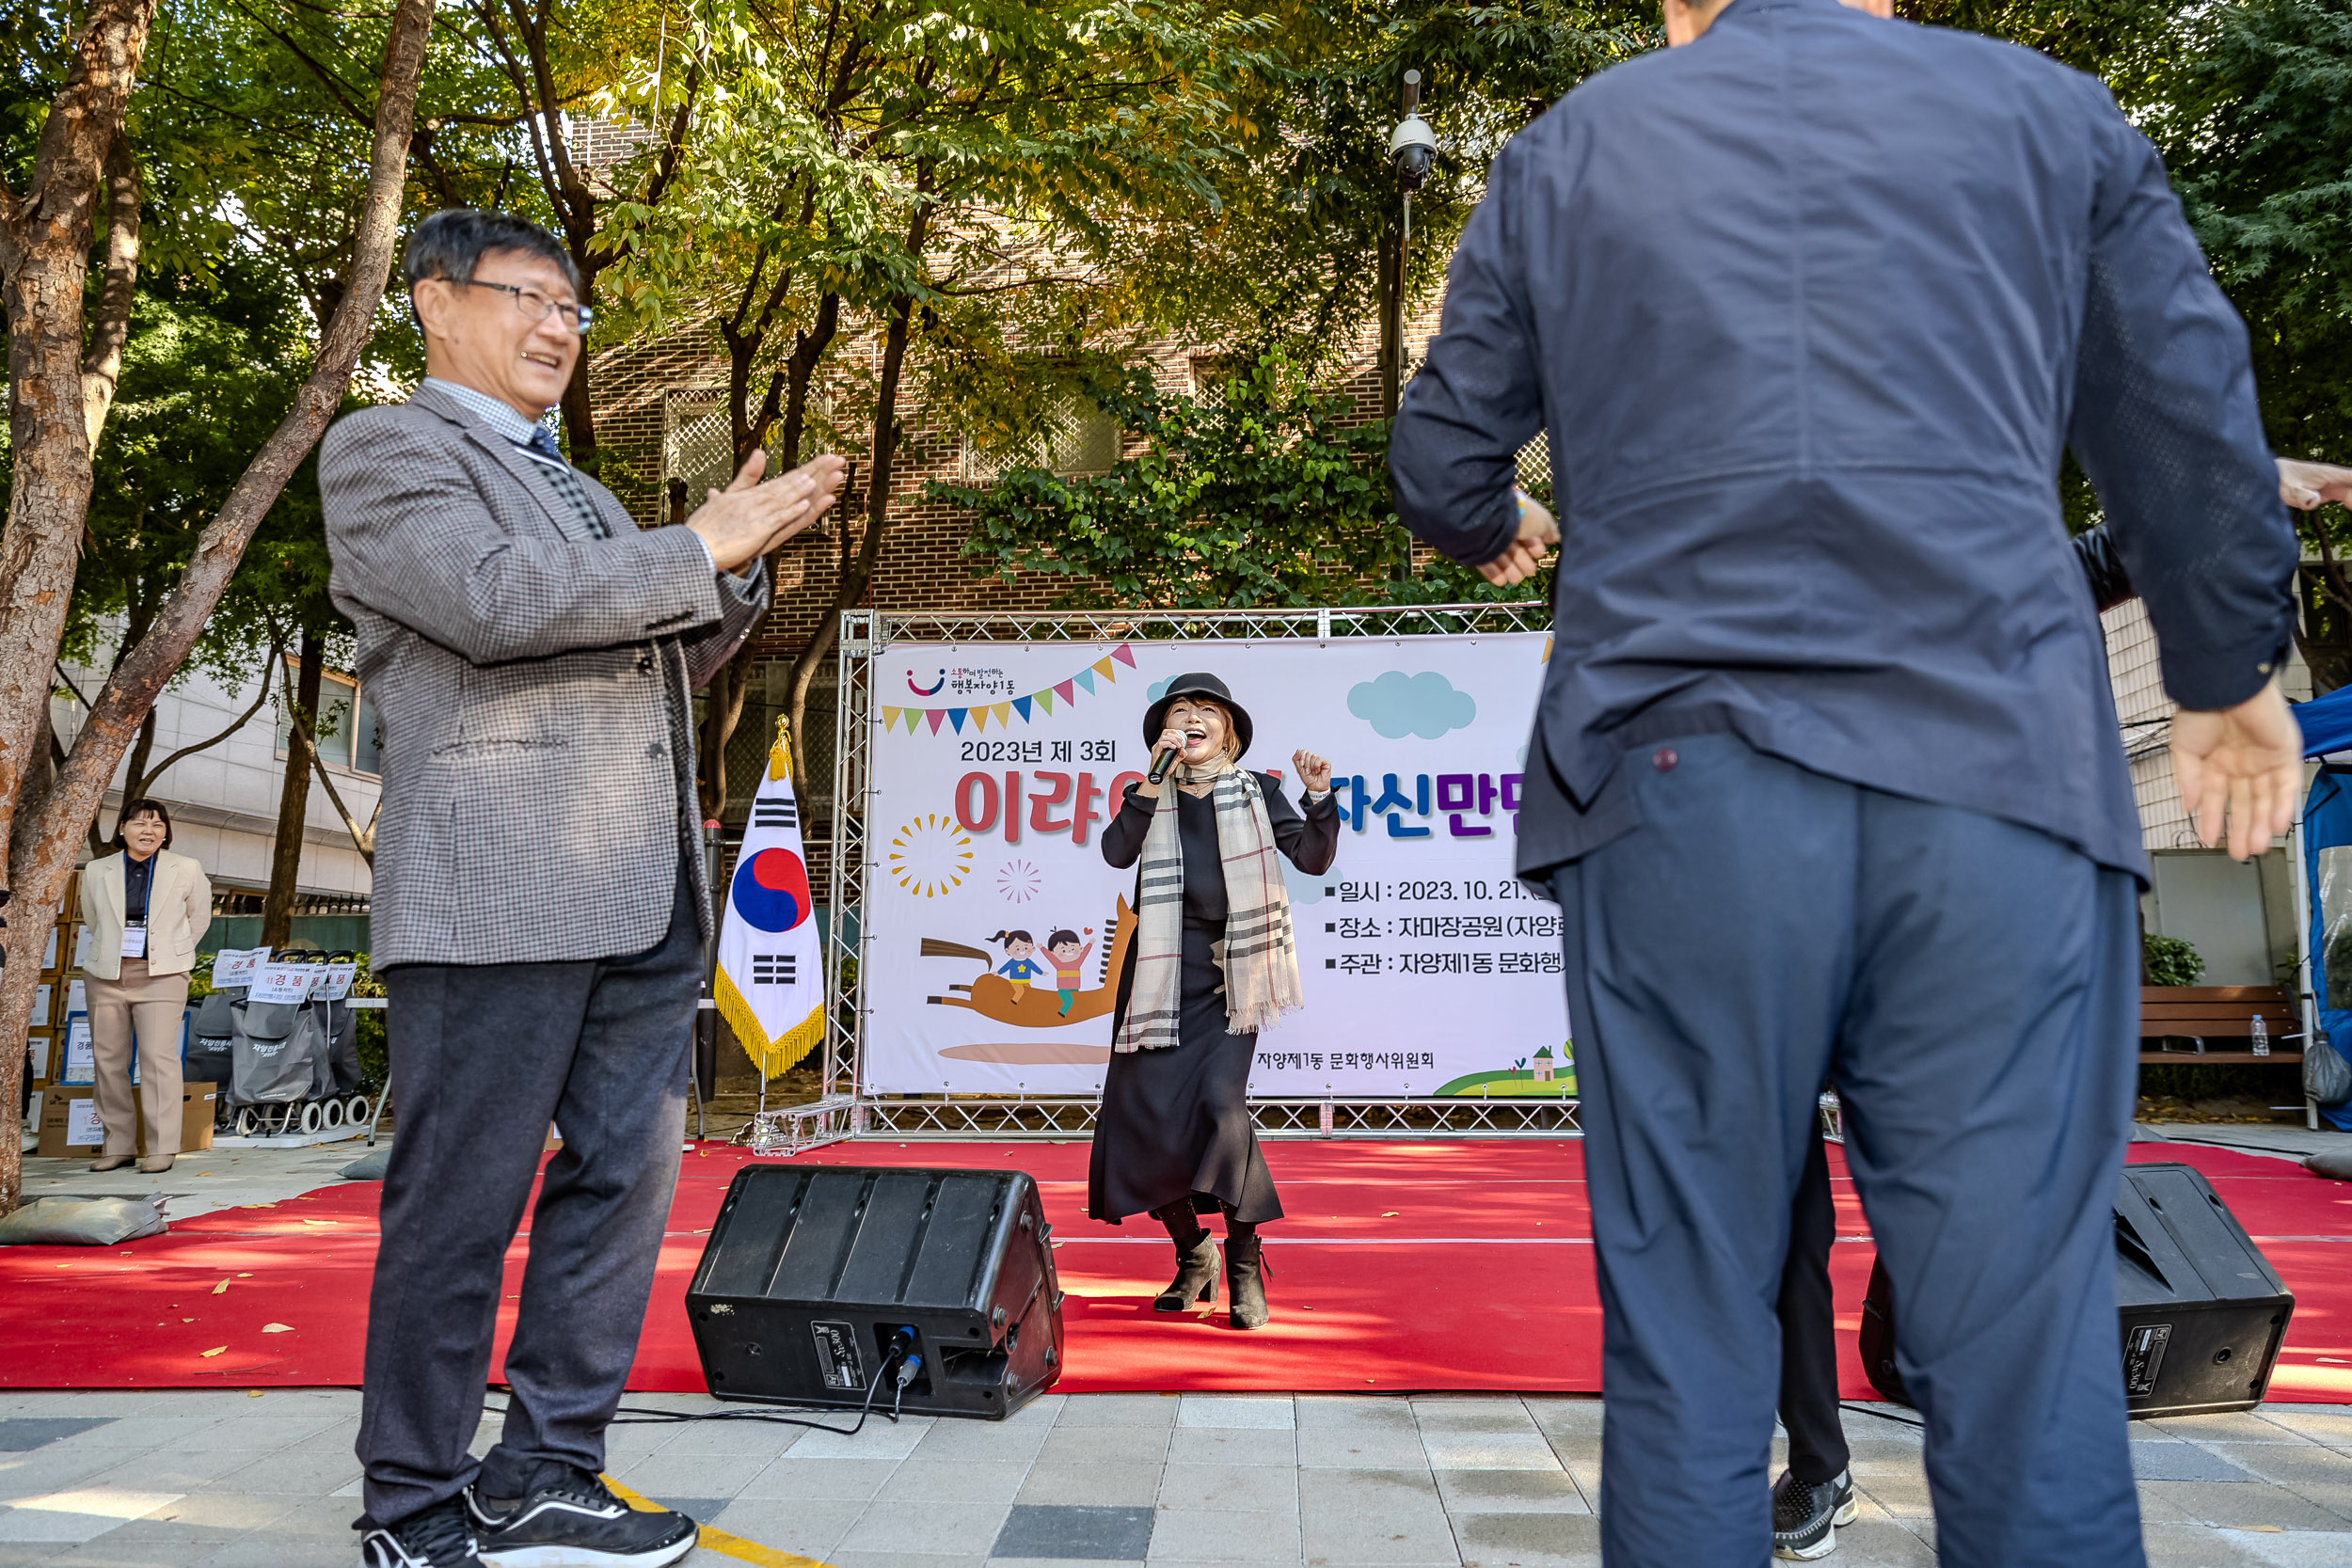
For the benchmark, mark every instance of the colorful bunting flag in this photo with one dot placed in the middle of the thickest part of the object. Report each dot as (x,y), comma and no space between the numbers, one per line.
(980,713)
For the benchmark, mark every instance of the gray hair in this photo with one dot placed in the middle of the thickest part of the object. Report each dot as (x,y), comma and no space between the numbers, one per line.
(452,241)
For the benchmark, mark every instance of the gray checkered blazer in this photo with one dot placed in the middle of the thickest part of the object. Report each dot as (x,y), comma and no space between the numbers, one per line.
(517,664)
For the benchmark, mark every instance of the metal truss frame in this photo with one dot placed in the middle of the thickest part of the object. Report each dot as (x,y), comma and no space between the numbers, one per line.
(844,1110)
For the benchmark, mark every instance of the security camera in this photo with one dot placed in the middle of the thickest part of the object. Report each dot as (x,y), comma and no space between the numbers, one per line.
(1412,148)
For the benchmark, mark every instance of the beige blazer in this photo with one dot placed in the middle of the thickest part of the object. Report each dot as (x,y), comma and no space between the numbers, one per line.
(178,908)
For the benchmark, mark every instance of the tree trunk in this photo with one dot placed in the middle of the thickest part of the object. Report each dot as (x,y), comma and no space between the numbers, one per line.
(44,847)
(294,800)
(45,238)
(723,700)
(857,574)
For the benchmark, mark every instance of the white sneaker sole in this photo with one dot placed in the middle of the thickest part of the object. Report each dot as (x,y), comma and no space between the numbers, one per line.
(1846,1513)
(581,1556)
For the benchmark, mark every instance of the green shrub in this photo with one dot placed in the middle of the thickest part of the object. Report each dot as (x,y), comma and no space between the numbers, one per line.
(2168,961)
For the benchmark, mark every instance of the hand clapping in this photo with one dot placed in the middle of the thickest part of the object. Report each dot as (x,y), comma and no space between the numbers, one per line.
(1524,557)
(748,518)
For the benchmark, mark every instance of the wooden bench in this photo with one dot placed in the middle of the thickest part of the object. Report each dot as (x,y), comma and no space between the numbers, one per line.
(2211,1013)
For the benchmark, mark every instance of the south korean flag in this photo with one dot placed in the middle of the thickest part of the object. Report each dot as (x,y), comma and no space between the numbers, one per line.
(771,981)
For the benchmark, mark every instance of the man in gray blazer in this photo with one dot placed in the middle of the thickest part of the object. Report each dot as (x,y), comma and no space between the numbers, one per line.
(540,903)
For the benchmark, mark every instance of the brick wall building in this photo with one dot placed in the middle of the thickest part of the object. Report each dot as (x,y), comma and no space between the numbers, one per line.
(662,417)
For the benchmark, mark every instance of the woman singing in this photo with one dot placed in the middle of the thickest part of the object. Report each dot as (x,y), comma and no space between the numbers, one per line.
(1212,962)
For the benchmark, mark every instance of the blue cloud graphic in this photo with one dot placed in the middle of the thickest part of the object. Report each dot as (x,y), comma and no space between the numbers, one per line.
(1155,691)
(1303,889)
(1398,704)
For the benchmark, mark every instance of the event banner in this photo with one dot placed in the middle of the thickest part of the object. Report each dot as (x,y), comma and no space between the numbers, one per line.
(995,931)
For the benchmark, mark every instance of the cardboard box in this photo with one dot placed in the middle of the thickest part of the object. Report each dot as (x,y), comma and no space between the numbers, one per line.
(69,1126)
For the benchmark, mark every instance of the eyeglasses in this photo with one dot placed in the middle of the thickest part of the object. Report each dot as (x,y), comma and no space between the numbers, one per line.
(535,305)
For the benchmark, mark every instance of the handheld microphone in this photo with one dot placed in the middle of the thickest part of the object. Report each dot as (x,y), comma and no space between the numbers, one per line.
(1160,764)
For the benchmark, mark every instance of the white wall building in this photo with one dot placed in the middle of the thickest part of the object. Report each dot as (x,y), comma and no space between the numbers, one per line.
(2239,917)
(224,800)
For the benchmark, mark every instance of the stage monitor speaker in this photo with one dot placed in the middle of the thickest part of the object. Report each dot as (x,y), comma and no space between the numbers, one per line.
(2203,1311)
(813,1276)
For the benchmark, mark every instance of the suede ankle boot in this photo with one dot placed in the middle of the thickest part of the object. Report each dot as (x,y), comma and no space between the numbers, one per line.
(1245,1280)
(1196,1260)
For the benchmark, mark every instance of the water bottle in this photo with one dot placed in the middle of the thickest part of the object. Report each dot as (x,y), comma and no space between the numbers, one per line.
(2261,1037)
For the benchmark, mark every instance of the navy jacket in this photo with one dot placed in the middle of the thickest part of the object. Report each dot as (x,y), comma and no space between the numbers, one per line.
(1809,308)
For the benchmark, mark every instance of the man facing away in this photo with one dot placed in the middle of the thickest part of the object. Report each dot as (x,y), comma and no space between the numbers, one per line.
(540,903)
(1825,775)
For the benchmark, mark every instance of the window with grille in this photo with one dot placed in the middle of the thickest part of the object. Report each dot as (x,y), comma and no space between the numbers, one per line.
(1209,372)
(1079,437)
(1534,463)
(697,443)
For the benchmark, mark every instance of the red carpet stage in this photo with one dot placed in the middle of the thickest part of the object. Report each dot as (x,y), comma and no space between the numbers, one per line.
(1402,1266)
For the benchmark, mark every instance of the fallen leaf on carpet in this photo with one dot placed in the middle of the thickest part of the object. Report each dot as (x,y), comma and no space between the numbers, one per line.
(1391,1214)
(217,1349)
(248,1275)
(188,1320)
(318,1221)
(278,1329)
(221,1288)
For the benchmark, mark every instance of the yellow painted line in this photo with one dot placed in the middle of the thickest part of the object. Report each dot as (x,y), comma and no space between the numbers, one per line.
(720,1541)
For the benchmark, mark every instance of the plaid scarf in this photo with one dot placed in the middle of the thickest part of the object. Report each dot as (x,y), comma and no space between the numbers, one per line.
(1257,955)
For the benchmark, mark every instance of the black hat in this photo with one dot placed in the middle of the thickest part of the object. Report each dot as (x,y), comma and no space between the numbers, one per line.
(1156,717)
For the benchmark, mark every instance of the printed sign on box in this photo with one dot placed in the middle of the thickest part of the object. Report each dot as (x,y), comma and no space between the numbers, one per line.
(80,1061)
(1427,967)
(41,1005)
(285,982)
(236,966)
(82,1125)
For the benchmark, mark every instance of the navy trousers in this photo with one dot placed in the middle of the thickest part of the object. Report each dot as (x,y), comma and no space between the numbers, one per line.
(482,1059)
(1970,985)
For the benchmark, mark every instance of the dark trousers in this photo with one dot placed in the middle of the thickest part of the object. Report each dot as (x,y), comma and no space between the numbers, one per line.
(1969,986)
(1808,1327)
(482,1059)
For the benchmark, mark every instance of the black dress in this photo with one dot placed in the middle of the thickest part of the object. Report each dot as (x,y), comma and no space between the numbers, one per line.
(1175,1123)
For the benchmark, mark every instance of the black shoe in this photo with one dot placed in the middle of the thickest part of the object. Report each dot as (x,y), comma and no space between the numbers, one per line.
(1195,1276)
(568,1519)
(1806,1516)
(436,1537)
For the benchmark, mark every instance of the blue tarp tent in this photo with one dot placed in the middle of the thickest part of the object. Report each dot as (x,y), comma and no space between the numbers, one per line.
(2326,722)
(2328,827)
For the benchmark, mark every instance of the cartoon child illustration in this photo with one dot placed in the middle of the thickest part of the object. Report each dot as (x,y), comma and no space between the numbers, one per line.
(1018,966)
(1069,965)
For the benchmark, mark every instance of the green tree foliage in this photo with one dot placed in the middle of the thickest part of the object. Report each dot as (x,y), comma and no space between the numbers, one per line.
(1265,493)
(1291,246)
(1268,494)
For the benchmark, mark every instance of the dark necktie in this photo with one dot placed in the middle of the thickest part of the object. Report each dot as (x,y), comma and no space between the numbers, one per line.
(566,478)
(673,657)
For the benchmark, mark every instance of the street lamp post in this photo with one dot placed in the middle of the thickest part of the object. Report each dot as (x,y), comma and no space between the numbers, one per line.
(1412,148)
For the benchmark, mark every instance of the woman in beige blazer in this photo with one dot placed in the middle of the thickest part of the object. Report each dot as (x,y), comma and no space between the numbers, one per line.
(146,908)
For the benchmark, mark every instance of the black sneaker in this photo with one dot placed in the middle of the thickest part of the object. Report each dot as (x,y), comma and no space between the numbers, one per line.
(569,1519)
(1806,1516)
(436,1537)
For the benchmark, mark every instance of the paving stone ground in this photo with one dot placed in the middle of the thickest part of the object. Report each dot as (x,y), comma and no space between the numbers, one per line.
(221,1478)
